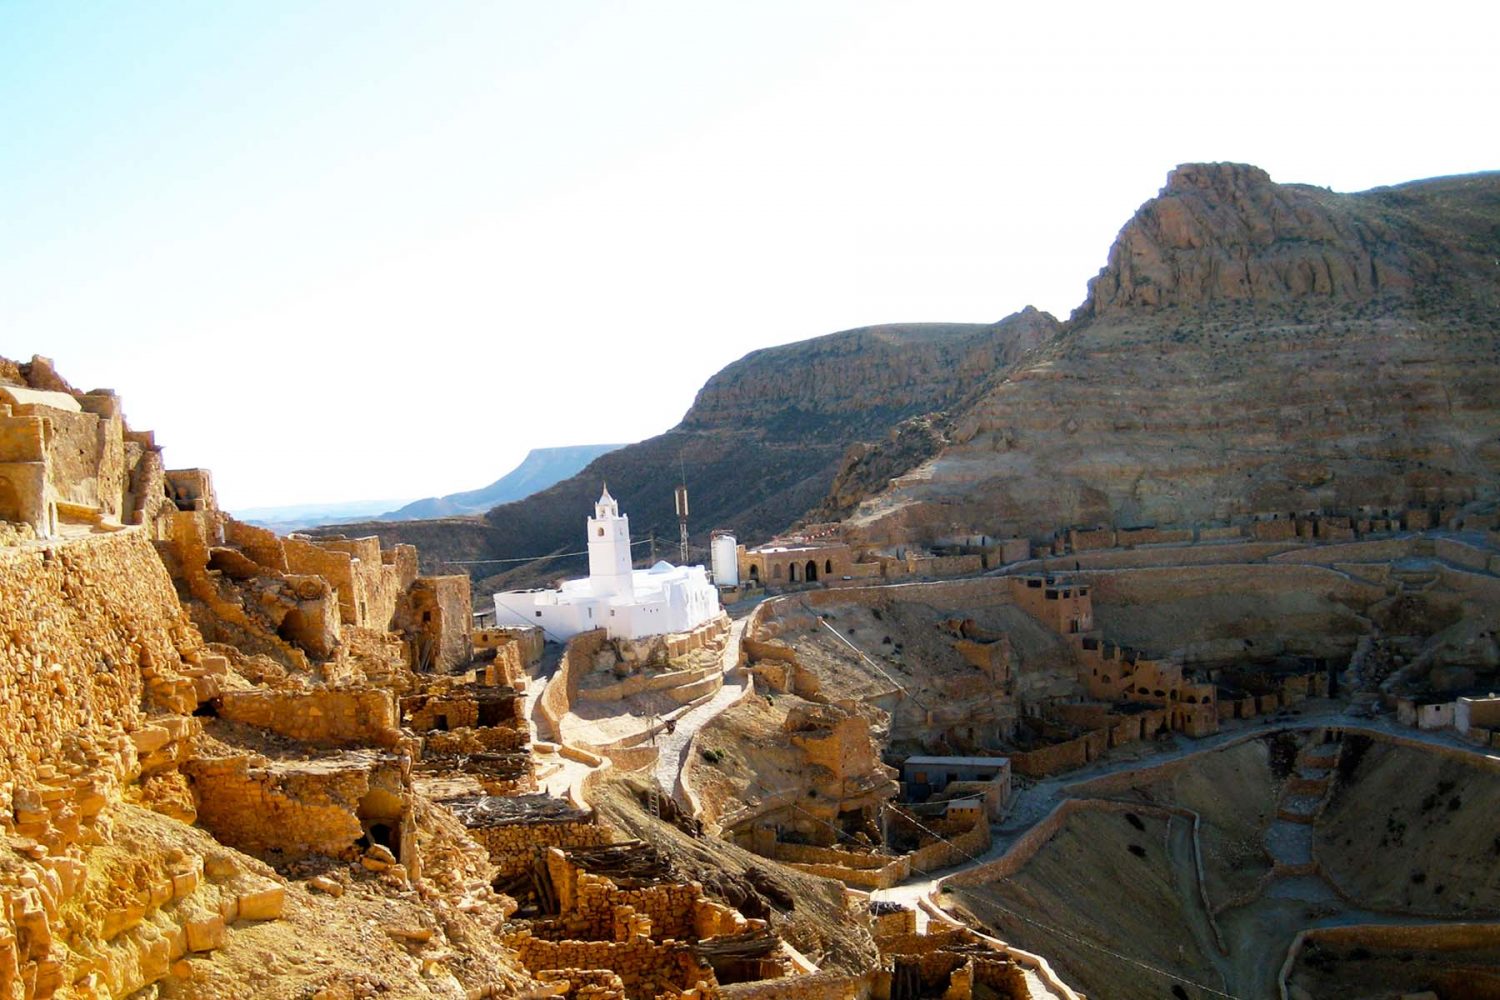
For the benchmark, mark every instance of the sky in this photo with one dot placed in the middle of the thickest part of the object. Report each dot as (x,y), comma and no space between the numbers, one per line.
(344,251)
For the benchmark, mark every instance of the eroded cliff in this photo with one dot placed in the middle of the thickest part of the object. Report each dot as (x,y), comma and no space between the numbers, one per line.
(1249,347)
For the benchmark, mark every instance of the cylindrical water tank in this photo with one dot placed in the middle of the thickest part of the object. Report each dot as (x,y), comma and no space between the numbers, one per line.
(725,559)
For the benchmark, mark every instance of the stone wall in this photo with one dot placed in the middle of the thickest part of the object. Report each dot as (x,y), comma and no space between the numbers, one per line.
(646,968)
(817,986)
(26,493)
(369,582)
(324,716)
(642,683)
(863,871)
(943,565)
(515,847)
(1068,755)
(562,690)
(436,613)
(290,811)
(1028,844)
(260,544)
(952,849)
(515,650)
(1441,937)
(466,706)
(90,628)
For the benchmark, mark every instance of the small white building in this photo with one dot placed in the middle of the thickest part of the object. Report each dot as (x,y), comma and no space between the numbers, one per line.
(630,603)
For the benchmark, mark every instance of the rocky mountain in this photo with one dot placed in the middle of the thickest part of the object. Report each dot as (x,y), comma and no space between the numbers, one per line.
(759,447)
(1249,347)
(538,470)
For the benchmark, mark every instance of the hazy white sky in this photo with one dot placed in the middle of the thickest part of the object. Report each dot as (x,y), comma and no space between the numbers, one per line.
(337,251)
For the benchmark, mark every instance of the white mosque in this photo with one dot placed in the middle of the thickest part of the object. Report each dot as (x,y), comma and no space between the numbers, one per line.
(630,603)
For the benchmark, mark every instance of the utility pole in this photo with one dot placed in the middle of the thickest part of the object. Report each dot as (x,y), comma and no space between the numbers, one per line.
(682,516)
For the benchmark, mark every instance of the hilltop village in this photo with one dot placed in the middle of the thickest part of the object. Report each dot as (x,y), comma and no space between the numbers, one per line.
(1215,717)
(223,741)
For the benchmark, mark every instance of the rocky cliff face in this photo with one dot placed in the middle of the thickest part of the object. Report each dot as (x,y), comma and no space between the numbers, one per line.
(1248,347)
(760,446)
(863,378)
(1224,232)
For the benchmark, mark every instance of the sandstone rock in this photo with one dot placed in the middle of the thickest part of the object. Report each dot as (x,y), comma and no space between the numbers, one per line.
(323,883)
(148,739)
(185,883)
(263,904)
(219,866)
(380,854)
(205,934)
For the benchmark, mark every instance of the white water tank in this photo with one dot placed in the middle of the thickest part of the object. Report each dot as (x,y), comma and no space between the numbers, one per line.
(725,558)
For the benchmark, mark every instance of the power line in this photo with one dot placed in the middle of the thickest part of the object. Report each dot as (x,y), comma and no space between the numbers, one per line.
(1069,934)
(524,559)
(842,835)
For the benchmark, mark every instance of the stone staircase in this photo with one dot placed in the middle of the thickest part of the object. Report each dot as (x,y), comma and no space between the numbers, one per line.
(1307,789)
(1289,837)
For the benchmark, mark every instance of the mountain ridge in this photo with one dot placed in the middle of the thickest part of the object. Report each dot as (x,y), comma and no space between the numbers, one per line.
(1249,347)
(538,470)
(760,444)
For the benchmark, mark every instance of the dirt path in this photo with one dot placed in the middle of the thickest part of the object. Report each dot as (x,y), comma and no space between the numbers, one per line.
(672,747)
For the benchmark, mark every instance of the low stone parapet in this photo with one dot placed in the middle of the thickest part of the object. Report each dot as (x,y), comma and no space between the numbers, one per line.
(322,716)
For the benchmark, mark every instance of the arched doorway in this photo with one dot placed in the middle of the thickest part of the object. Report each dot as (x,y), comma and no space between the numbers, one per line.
(828,566)
(812,571)
(791,572)
(755,573)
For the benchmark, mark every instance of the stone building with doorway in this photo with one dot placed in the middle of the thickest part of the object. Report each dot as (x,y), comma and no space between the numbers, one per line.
(780,564)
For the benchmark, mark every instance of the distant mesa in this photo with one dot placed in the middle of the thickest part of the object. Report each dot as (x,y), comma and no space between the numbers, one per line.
(541,468)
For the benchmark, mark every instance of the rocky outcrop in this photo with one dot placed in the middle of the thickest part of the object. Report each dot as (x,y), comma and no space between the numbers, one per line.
(1224,232)
(1250,347)
(867,377)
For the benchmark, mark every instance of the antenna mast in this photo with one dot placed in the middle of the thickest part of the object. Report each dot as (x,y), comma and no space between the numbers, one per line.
(682,516)
(682,509)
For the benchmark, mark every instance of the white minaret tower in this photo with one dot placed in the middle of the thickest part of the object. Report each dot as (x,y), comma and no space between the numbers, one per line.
(609,549)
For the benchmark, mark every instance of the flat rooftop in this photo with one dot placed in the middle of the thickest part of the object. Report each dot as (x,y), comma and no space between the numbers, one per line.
(959,761)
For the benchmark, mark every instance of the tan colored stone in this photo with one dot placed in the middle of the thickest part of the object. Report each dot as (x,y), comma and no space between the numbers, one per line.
(263,904)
